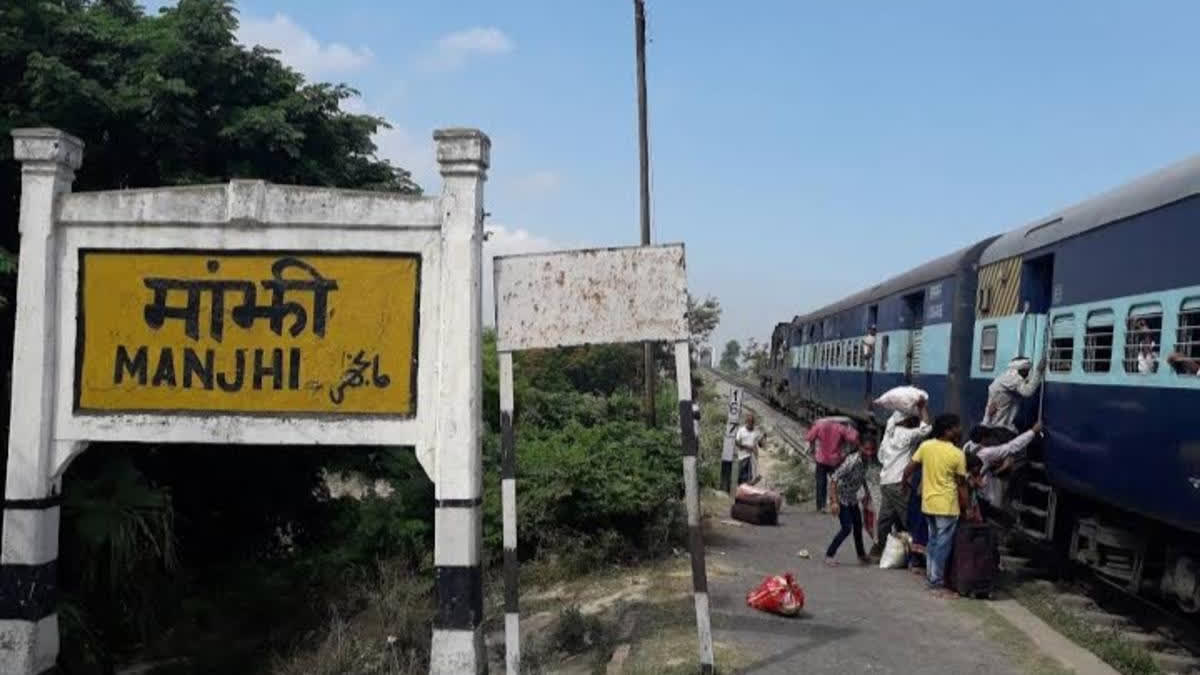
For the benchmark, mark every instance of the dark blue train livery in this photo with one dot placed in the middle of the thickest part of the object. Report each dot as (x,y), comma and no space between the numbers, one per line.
(1103,290)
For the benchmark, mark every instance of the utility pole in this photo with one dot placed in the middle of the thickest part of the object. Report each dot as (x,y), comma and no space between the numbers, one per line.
(639,36)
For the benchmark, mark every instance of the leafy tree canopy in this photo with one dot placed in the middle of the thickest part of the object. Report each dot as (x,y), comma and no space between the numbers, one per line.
(731,356)
(172,99)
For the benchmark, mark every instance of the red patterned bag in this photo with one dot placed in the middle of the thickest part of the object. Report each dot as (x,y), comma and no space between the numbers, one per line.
(778,595)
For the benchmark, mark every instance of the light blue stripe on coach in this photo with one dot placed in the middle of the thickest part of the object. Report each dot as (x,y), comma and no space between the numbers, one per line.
(1171,302)
(935,351)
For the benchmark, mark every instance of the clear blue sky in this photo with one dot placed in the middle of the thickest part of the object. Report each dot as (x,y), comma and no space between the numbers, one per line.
(802,150)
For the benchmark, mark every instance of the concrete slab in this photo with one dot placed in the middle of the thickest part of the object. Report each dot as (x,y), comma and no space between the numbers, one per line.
(1050,641)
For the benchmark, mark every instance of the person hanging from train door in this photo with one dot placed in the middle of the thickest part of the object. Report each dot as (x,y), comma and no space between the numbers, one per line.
(868,360)
(1008,389)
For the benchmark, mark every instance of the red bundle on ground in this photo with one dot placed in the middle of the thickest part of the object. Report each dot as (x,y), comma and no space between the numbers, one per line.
(778,595)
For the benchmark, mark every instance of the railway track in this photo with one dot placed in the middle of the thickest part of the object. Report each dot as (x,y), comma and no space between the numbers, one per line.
(1171,638)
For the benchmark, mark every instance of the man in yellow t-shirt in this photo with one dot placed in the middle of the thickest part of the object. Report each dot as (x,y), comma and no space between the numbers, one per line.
(943,491)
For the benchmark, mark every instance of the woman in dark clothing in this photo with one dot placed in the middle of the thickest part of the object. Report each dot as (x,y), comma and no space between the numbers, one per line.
(916,524)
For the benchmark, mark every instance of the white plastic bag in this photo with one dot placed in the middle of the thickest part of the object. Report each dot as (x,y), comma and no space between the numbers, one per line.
(895,551)
(903,399)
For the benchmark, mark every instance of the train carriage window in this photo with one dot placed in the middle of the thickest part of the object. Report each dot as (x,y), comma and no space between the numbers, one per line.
(883,350)
(1143,334)
(837,354)
(854,354)
(1062,343)
(1098,341)
(987,348)
(1187,338)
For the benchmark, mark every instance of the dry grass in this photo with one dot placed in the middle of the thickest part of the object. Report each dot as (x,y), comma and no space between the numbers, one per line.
(383,628)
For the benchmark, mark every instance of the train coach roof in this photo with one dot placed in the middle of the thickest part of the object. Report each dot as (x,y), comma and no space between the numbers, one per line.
(1160,188)
(939,268)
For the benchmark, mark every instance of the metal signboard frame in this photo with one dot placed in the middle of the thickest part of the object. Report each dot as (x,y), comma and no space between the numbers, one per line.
(595,296)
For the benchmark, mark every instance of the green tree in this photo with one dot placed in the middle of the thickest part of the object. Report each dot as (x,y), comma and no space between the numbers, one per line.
(172,99)
(731,356)
(755,357)
(703,318)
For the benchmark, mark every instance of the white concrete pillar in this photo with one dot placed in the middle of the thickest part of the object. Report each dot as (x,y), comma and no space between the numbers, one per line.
(463,156)
(28,584)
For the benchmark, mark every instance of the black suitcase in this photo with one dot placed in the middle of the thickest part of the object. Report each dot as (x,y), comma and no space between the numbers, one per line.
(757,499)
(763,513)
(975,560)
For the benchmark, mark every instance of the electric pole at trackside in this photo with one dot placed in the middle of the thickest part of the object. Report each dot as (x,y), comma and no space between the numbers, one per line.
(639,36)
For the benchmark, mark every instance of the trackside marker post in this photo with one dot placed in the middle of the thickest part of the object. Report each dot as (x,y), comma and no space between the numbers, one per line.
(598,296)
(244,313)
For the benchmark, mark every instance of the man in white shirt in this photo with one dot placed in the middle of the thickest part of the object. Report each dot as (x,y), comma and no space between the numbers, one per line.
(1007,390)
(748,440)
(901,436)
(868,348)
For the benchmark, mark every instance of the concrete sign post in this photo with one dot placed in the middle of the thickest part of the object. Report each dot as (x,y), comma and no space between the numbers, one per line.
(584,297)
(243,313)
(728,450)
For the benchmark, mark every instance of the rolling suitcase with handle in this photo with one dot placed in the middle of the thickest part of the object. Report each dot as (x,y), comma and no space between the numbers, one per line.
(974,561)
(762,512)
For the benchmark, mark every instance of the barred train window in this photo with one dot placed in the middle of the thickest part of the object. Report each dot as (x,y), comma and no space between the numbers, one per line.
(1098,341)
(837,354)
(883,350)
(1143,333)
(1062,343)
(854,353)
(987,348)
(1187,339)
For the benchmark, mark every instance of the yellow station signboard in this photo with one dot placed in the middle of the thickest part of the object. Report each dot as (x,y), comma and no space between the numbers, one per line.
(247,332)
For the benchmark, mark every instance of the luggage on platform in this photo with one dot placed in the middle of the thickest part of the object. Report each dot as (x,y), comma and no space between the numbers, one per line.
(762,512)
(752,494)
(974,561)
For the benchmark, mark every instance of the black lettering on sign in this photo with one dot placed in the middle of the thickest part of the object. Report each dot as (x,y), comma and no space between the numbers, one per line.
(239,373)
(157,311)
(165,372)
(355,376)
(136,367)
(199,370)
(275,371)
(193,366)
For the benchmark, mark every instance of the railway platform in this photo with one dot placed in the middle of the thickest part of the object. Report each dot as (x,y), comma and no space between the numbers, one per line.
(860,618)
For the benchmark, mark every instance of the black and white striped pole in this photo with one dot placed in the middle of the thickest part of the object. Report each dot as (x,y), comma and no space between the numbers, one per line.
(508,506)
(691,496)
(599,296)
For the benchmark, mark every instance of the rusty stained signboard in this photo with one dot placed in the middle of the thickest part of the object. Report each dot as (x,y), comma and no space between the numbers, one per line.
(246,332)
(591,296)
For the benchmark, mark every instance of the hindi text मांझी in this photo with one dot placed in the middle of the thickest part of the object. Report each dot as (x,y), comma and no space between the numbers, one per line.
(164,331)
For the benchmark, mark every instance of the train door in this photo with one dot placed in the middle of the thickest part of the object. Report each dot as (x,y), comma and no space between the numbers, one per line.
(869,359)
(914,319)
(1035,500)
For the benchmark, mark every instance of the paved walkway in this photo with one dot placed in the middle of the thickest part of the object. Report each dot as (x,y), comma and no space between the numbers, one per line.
(857,619)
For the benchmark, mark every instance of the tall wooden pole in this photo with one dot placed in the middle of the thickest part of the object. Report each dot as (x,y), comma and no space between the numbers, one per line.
(639,35)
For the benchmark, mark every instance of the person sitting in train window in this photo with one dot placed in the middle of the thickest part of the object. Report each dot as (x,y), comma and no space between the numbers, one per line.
(1184,365)
(1007,390)
(868,346)
(1147,351)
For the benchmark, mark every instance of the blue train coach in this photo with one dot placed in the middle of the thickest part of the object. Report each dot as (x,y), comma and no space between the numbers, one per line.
(1104,291)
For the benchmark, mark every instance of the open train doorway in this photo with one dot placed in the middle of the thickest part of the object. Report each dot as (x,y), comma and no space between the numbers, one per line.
(914,321)
(870,348)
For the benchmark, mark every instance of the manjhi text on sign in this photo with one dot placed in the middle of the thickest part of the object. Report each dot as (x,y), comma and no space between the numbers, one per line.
(247,332)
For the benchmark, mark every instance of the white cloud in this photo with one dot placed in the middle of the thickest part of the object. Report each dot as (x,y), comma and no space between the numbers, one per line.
(539,183)
(502,241)
(399,146)
(300,49)
(454,49)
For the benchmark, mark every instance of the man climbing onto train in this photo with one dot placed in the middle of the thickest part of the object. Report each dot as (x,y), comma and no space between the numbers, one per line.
(1008,389)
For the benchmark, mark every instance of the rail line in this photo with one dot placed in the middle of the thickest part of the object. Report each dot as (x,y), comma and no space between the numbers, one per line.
(1172,638)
